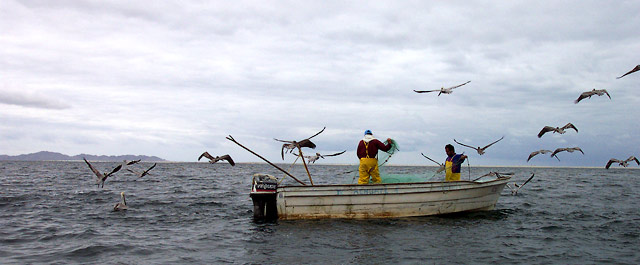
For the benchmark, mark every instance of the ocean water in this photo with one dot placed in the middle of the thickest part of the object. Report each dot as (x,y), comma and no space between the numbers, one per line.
(52,212)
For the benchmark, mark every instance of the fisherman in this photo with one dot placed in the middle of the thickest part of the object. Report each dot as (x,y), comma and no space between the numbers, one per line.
(452,164)
(367,153)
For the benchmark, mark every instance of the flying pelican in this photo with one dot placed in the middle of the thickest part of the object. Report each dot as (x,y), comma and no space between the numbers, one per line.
(122,205)
(143,173)
(290,145)
(542,151)
(514,190)
(623,163)
(442,90)
(559,130)
(131,162)
(312,159)
(588,94)
(217,158)
(568,149)
(635,69)
(480,150)
(101,176)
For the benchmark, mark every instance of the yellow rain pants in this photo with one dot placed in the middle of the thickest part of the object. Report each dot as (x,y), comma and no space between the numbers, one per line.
(449,175)
(368,167)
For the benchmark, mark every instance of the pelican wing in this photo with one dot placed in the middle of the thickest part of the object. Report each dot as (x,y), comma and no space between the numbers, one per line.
(607,93)
(149,169)
(558,151)
(546,129)
(307,143)
(575,149)
(426,91)
(116,169)
(205,154)
(493,142)
(635,69)
(229,159)
(611,161)
(336,154)
(133,162)
(570,126)
(95,171)
(633,158)
(535,153)
(431,159)
(465,145)
(459,85)
(583,96)
(316,134)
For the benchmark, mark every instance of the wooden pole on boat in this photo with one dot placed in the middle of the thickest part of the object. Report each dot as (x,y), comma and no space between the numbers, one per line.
(305,164)
(230,138)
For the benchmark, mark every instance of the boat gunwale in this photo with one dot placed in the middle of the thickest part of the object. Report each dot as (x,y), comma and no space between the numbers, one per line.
(366,186)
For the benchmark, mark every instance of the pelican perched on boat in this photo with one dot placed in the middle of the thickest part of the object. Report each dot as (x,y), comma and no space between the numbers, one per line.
(588,94)
(102,177)
(635,69)
(143,173)
(542,151)
(568,149)
(442,90)
(313,158)
(122,205)
(291,145)
(623,163)
(479,149)
(213,160)
(560,130)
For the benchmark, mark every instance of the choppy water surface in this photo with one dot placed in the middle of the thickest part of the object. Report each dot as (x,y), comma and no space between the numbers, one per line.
(52,212)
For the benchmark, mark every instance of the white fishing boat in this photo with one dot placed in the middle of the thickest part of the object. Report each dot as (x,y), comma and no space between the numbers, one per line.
(375,201)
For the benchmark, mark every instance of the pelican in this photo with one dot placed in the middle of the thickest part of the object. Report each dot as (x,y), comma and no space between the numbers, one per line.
(542,151)
(312,159)
(568,149)
(130,162)
(496,174)
(442,90)
(623,163)
(290,145)
(217,158)
(514,190)
(143,173)
(101,176)
(560,130)
(588,94)
(122,205)
(635,69)
(480,150)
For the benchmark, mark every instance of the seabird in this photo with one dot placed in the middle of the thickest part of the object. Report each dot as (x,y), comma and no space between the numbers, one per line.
(568,149)
(291,145)
(514,191)
(442,90)
(217,158)
(623,163)
(131,162)
(101,176)
(635,69)
(588,94)
(313,158)
(542,151)
(560,130)
(480,150)
(143,173)
(496,174)
(122,205)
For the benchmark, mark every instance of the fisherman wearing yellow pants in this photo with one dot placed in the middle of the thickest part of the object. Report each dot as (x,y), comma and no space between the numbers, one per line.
(452,164)
(367,152)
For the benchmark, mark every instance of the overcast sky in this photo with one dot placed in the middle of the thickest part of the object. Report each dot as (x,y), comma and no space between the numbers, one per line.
(173,79)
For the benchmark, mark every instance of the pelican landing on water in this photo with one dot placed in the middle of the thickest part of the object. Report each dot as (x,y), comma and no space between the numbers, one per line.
(122,205)
(102,177)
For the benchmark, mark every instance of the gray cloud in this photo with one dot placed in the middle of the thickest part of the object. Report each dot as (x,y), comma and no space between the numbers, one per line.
(32,100)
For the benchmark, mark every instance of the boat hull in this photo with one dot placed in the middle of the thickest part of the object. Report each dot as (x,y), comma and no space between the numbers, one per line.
(387,200)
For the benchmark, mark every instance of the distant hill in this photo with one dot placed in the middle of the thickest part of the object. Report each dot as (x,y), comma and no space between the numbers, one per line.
(48,156)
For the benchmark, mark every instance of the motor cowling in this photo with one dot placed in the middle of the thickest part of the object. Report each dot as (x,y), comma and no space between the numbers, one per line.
(263,193)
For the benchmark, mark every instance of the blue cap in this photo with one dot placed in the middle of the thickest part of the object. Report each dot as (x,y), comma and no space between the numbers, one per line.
(368,132)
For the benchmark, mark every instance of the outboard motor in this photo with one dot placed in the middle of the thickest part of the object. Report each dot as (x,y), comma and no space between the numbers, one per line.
(263,194)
